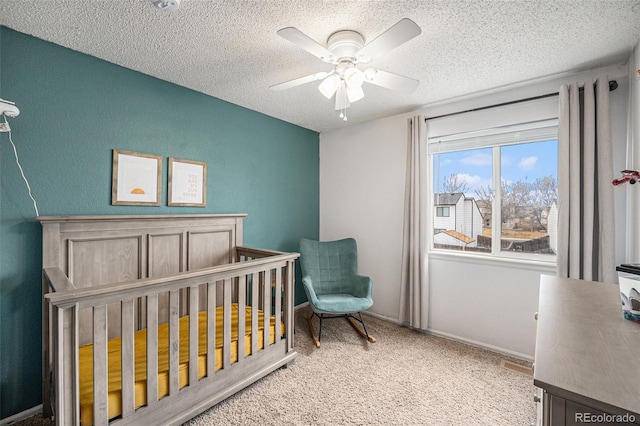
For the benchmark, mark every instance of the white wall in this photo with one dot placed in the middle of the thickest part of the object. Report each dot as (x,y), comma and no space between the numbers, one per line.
(362,181)
(485,303)
(633,156)
(362,195)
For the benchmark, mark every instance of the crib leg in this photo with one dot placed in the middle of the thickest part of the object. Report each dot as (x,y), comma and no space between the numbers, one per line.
(311,329)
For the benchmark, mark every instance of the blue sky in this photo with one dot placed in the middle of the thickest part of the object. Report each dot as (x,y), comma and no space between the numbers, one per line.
(525,162)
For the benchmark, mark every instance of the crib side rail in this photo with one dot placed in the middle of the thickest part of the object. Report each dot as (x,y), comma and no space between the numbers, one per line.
(233,280)
(92,296)
(57,280)
(246,253)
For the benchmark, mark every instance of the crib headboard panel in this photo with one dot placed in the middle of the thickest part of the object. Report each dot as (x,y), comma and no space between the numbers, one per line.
(96,250)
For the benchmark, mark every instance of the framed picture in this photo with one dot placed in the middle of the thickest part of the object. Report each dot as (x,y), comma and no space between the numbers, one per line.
(187,183)
(136,179)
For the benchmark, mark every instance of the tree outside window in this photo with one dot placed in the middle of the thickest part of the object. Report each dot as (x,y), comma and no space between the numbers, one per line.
(523,190)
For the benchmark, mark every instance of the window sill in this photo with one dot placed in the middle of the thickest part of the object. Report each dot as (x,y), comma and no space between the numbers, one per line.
(504,259)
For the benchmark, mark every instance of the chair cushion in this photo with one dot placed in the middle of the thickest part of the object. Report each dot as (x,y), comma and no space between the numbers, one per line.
(330,264)
(341,303)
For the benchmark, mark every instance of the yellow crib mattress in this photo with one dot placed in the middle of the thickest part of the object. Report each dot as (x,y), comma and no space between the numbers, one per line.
(140,342)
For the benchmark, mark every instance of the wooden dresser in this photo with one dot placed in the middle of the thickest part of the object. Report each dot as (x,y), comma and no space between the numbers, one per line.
(587,358)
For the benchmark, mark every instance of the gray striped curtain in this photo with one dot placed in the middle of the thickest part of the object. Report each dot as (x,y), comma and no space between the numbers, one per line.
(585,194)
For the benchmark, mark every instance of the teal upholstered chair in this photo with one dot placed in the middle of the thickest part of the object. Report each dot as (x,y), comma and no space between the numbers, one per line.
(334,288)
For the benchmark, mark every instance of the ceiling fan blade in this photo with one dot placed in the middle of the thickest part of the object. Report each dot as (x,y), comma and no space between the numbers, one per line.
(296,36)
(390,80)
(299,81)
(400,33)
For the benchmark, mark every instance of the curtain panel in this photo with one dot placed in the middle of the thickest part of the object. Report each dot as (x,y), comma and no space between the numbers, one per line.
(585,194)
(414,290)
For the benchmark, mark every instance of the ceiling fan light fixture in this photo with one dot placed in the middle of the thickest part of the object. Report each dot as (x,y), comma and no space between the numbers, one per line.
(354,93)
(342,100)
(345,50)
(329,86)
(354,77)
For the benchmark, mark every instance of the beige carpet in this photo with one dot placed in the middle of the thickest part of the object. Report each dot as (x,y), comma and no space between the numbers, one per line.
(406,378)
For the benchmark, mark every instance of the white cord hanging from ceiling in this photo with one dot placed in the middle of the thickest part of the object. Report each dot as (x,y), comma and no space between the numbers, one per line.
(9,109)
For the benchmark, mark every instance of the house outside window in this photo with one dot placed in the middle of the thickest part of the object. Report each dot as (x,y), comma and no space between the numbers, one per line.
(500,186)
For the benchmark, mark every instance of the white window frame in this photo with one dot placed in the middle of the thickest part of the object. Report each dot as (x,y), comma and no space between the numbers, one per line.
(494,138)
(442,209)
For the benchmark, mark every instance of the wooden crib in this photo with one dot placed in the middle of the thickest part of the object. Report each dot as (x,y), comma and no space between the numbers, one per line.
(144,316)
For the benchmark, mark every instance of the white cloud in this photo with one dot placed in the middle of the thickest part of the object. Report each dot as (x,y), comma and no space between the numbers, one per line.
(528,163)
(477,160)
(473,182)
(470,180)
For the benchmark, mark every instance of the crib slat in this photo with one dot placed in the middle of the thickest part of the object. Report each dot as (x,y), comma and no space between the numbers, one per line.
(288,304)
(100,371)
(174,341)
(242,289)
(211,329)
(65,340)
(152,350)
(255,293)
(278,302)
(226,340)
(193,334)
(128,358)
(266,307)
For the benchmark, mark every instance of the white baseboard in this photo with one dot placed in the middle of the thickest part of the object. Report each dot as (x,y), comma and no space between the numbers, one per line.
(482,345)
(21,416)
(456,338)
(382,317)
(300,306)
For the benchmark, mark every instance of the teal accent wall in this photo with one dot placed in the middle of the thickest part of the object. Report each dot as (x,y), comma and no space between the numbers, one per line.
(75,109)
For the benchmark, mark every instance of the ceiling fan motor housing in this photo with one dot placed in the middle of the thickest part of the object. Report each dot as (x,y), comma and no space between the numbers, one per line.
(344,44)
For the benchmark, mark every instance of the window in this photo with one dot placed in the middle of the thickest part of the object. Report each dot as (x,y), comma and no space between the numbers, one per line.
(495,191)
(442,211)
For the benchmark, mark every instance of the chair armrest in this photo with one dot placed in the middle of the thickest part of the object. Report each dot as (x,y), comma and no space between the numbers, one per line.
(361,285)
(308,288)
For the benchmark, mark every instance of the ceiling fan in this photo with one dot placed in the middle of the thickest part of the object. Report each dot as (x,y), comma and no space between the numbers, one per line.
(346,50)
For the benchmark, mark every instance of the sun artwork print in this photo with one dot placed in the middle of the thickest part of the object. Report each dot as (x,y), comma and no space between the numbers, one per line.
(136,178)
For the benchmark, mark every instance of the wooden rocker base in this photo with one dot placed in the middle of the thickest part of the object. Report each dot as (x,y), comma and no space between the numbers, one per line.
(360,331)
(311,329)
(351,321)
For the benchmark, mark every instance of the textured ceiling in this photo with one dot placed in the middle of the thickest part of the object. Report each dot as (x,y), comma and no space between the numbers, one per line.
(229,48)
